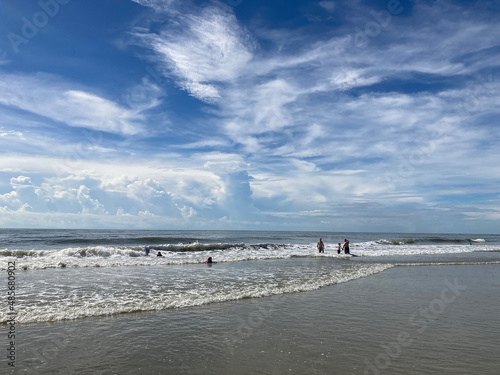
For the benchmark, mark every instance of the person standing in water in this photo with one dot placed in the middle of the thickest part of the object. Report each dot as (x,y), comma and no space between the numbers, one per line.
(321,246)
(346,246)
(339,248)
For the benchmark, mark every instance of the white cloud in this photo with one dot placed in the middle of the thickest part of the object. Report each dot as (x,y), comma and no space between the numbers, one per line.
(10,133)
(183,193)
(158,5)
(21,180)
(93,112)
(130,195)
(204,48)
(89,205)
(223,163)
(143,96)
(50,97)
(347,78)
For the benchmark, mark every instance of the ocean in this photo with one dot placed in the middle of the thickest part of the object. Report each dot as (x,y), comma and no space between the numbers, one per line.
(102,301)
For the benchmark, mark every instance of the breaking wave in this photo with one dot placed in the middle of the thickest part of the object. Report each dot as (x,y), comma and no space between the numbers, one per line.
(429,240)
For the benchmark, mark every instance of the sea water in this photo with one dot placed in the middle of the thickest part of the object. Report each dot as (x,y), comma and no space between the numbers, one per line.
(73,274)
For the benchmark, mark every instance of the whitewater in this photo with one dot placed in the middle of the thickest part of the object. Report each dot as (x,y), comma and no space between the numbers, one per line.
(67,275)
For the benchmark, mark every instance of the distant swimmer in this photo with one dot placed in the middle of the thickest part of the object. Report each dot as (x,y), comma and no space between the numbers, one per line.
(209,261)
(321,246)
(339,248)
(158,254)
(346,246)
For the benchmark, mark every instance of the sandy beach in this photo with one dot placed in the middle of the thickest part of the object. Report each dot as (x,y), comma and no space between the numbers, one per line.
(405,320)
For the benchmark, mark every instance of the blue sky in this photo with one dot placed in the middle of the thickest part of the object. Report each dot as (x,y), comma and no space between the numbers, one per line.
(250,114)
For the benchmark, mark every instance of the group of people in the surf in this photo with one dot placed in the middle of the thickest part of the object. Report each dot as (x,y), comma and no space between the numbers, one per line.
(321,246)
(159,254)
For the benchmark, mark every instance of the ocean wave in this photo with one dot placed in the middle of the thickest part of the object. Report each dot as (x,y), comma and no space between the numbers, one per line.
(480,240)
(19,253)
(93,304)
(195,246)
(135,251)
(452,263)
(108,256)
(428,240)
(374,249)
(396,241)
(97,251)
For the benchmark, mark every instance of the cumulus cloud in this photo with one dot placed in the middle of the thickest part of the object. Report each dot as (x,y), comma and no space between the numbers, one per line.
(24,195)
(124,196)
(223,163)
(89,205)
(221,189)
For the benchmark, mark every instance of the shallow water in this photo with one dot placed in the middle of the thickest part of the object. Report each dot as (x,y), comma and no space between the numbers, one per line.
(50,295)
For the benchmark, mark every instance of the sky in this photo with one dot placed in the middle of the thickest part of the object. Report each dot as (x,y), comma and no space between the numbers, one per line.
(342,116)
